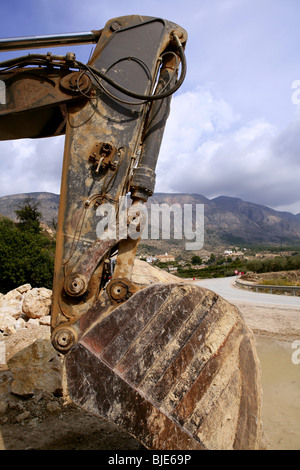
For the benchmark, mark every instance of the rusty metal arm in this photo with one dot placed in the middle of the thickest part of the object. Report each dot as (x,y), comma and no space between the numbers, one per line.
(113,111)
(128,127)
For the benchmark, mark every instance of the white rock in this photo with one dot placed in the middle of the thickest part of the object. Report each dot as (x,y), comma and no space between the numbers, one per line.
(11,307)
(7,324)
(24,288)
(46,293)
(11,303)
(46,320)
(37,302)
(32,322)
(20,323)
(13,294)
(38,367)
(2,353)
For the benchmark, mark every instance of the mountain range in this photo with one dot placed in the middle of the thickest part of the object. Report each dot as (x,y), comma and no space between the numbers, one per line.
(227,220)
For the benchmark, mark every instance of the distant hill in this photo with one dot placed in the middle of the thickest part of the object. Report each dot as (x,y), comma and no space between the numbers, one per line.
(48,205)
(228,220)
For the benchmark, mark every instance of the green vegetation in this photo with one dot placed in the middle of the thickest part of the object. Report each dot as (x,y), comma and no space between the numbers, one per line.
(279,263)
(279,282)
(26,254)
(220,266)
(196,259)
(214,270)
(28,216)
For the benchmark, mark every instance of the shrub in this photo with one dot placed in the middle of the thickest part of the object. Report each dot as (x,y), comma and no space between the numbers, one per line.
(26,256)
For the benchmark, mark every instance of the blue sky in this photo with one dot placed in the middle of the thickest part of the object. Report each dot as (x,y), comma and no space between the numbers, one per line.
(233,128)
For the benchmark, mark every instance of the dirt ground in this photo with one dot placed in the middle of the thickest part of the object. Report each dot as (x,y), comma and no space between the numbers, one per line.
(276,331)
(281,394)
(62,427)
(49,423)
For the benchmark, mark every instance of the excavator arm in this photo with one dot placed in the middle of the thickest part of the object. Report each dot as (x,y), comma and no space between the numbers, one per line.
(148,358)
(113,112)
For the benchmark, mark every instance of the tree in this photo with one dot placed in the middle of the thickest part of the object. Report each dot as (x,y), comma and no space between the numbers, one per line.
(212,259)
(26,256)
(28,215)
(196,259)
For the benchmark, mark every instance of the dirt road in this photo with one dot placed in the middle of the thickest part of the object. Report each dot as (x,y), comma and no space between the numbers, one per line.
(225,287)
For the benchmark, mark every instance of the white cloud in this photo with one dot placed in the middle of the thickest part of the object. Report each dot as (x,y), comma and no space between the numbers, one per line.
(208,150)
(29,165)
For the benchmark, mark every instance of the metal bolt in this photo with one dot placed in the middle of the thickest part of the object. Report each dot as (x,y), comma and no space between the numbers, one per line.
(75,285)
(115,26)
(63,340)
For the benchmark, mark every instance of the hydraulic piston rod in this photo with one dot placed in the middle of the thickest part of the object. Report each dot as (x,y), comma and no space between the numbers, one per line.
(53,40)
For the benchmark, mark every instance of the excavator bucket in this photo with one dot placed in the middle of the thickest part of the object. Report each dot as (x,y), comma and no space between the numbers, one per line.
(175,366)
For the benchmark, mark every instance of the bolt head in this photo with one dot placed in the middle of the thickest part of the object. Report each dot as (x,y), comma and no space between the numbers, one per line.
(63,340)
(75,285)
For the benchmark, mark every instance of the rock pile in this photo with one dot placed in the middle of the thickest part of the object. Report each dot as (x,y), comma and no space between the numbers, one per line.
(27,356)
(29,365)
(23,307)
(31,371)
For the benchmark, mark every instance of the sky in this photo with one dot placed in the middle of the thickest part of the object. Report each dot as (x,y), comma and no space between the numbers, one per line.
(234,126)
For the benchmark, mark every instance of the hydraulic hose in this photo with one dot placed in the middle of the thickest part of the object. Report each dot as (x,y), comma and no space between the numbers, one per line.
(39,59)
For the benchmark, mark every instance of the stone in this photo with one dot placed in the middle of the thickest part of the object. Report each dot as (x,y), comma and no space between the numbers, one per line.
(20,324)
(13,295)
(37,302)
(38,367)
(2,354)
(53,407)
(7,324)
(24,288)
(21,417)
(46,320)
(11,304)
(3,407)
(144,274)
(32,322)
